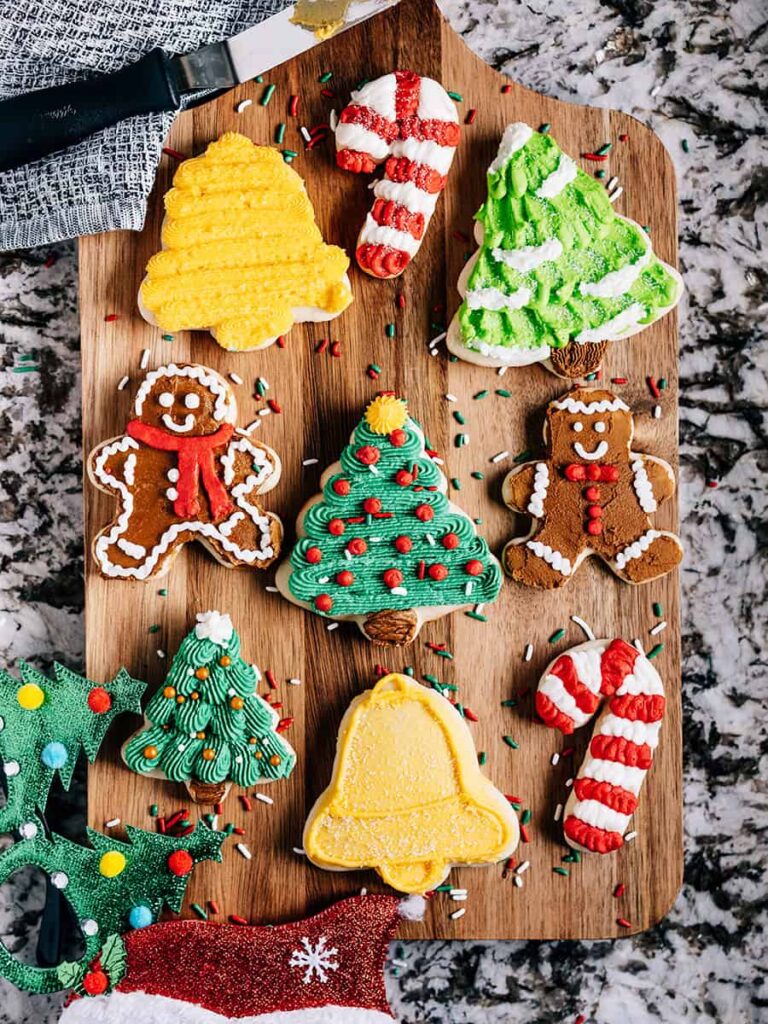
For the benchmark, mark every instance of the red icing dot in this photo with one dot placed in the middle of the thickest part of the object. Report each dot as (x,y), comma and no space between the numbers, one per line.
(95,982)
(450,541)
(594,527)
(314,555)
(592,493)
(342,487)
(398,438)
(611,473)
(393,577)
(345,578)
(437,571)
(425,513)
(474,567)
(369,455)
(593,472)
(336,527)
(371,506)
(357,546)
(594,511)
(574,472)
(323,602)
(99,701)
(403,544)
(180,863)
(404,478)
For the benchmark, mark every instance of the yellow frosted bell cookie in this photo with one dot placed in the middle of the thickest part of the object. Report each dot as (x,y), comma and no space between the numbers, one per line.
(242,256)
(407,797)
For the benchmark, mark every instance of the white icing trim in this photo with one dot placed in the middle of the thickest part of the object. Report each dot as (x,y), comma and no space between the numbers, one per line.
(405,193)
(540,488)
(623,322)
(380,234)
(379,95)
(224,407)
(553,687)
(504,354)
(362,140)
(515,136)
(575,405)
(616,774)
(643,487)
(528,257)
(643,679)
(562,176)
(554,558)
(495,299)
(214,626)
(435,103)
(636,549)
(134,550)
(425,152)
(617,282)
(635,732)
(589,669)
(596,453)
(597,814)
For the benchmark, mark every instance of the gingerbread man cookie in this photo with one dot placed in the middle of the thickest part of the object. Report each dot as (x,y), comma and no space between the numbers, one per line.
(183,472)
(592,495)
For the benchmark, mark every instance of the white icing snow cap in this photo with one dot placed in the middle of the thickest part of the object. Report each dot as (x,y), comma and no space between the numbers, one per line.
(215,627)
(515,137)
(224,401)
(605,405)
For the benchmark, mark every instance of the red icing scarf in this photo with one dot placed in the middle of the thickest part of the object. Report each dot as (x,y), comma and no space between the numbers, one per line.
(195,459)
(599,473)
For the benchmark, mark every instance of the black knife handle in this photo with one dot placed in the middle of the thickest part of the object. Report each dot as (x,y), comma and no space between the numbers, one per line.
(36,124)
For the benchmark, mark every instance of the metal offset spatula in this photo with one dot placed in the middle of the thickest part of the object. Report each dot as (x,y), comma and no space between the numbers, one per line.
(40,123)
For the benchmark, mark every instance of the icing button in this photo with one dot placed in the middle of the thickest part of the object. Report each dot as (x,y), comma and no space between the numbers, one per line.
(172,494)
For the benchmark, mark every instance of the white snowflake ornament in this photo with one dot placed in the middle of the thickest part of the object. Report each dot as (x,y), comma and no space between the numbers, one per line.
(316,959)
(215,627)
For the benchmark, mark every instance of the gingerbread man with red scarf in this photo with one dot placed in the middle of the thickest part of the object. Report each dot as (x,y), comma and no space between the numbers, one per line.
(183,472)
(591,495)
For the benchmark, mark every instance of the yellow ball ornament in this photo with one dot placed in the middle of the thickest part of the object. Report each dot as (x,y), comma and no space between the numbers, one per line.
(386,413)
(30,696)
(112,863)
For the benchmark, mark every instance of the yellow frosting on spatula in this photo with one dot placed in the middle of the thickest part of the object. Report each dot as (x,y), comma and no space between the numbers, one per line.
(242,255)
(407,796)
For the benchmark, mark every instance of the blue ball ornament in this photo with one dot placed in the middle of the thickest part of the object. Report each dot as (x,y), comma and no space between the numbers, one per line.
(140,916)
(54,755)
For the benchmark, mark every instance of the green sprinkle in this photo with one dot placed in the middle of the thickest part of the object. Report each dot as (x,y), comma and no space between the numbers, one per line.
(154,810)
(185,823)
(476,615)
(557,635)
(591,376)
(444,654)
(208,819)
(482,757)
(574,857)
(163,592)
(460,440)
(456,96)
(655,651)
(199,911)
(458,417)
(514,806)
(646,229)
(503,393)
(267,95)
(600,173)
(453,359)
(389,330)
(25,369)
(280,133)
(662,383)
(525,817)
(27,357)
(545,128)
(229,828)
(658,611)
(433,680)
(259,79)
(375,368)
(326,76)
(455,483)
(686,146)
(561,871)
(522,457)
(509,703)
(605,148)
(361,83)
(167,337)
(511,743)
(460,709)
(154,629)
(287,159)
(480,394)
(290,152)
(477,475)
(478,522)
(409,670)
(443,888)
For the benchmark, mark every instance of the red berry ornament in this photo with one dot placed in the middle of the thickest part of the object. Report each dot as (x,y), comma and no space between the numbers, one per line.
(357,546)
(323,602)
(336,527)
(371,506)
(425,513)
(393,577)
(403,544)
(437,571)
(404,478)
(450,541)
(180,863)
(398,438)
(314,555)
(369,455)
(345,578)
(99,701)
(342,487)
(95,983)
(473,567)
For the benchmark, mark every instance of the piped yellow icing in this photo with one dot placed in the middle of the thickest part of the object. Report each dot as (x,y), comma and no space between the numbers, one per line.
(242,255)
(407,796)
(386,413)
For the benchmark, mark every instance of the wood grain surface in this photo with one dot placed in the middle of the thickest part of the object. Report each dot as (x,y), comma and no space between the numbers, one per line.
(322,399)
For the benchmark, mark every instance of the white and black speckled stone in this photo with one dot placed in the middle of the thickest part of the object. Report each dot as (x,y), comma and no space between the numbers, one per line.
(692,69)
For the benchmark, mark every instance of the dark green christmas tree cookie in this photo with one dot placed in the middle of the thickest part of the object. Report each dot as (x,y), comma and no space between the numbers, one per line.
(382,545)
(206,726)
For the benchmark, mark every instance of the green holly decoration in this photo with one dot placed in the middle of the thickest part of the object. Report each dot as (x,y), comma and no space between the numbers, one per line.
(556,262)
(44,723)
(207,725)
(111,886)
(99,976)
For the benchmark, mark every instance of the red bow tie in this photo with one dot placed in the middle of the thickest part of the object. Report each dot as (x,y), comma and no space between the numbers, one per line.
(595,472)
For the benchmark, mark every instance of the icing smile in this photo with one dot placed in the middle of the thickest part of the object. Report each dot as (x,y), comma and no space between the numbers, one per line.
(597,453)
(181,428)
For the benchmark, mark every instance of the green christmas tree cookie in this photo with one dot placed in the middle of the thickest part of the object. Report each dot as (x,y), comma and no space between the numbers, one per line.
(206,726)
(382,545)
(44,723)
(556,265)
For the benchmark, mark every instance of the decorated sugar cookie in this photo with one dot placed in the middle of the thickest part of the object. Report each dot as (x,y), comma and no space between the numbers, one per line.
(407,796)
(183,472)
(206,726)
(590,495)
(242,255)
(606,791)
(411,123)
(558,273)
(382,545)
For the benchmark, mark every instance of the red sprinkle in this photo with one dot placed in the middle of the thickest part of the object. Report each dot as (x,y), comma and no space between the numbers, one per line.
(567,752)
(618,892)
(421,570)
(598,158)
(400,301)
(435,647)
(236,919)
(320,137)
(328,93)
(623,922)
(213,906)
(50,261)
(524,834)
(218,808)
(580,1019)
(246,802)
(175,818)
(509,865)
(379,670)
(336,349)
(711,483)
(470,714)
(174,153)
(506,88)
(161,826)
(471,115)
(239,831)
(319,128)
(618,380)
(321,346)
(273,405)
(512,799)
(271,679)
(283,724)
(372,373)
(281,341)
(111,317)
(654,387)
(293,106)
(623,137)
(180,833)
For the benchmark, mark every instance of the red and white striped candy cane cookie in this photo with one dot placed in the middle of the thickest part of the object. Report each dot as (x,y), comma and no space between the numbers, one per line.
(412,123)
(606,790)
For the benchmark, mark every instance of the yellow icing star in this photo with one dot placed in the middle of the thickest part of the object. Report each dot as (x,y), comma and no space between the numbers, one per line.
(242,255)
(407,796)
(386,413)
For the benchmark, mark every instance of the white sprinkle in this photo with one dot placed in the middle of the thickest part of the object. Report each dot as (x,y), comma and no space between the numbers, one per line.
(522,868)
(243,105)
(629,837)
(558,812)
(252,426)
(458,892)
(310,462)
(615,195)
(436,340)
(333,120)
(299,852)
(459,898)
(437,460)
(348,554)
(144,359)
(265,412)
(502,370)
(111,823)
(434,352)
(399,591)
(215,822)
(160,654)
(236,378)
(469,586)
(458,913)
(272,590)
(658,629)
(264,798)
(264,383)
(657,412)
(499,456)
(363,891)
(554,759)
(638,646)
(583,626)
(430,539)
(569,783)
(518,881)
(122,383)
(243,850)
(305,134)
(331,626)
(398,963)
(294,682)
(450,398)
(614,181)
(323,579)
(528,652)
(374,470)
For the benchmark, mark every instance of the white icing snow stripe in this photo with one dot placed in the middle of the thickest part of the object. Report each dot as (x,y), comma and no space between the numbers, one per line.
(435,103)
(587,409)
(528,257)
(381,234)
(617,282)
(540,488)
(562,176)
(635,732)
(615,328)
(143,1008)
(430,154)
(515,137)
(643,679)
(553,687)
(643,487)
(554,558)
(224,404)
(636,549)
(379,95)
(405,193)
(622,775)
(362,140)
(594,813)
(588,665)
(510,356)
(494,299)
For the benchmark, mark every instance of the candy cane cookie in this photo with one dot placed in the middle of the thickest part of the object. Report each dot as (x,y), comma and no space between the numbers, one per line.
(606,791)
(411,122)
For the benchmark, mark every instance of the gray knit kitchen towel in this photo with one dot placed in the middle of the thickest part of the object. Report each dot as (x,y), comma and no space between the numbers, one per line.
(103,182)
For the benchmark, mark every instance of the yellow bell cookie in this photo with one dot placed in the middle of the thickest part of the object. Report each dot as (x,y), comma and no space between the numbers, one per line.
(242,255)
(407,797)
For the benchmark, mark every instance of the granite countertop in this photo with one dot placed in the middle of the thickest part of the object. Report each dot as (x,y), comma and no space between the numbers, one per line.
(695,70)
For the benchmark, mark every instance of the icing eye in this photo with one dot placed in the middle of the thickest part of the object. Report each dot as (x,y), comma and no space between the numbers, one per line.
(166,399)
(192,401)
(578,426)
(599,427)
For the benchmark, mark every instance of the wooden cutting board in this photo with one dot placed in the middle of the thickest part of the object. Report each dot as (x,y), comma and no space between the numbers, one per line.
(322,399)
